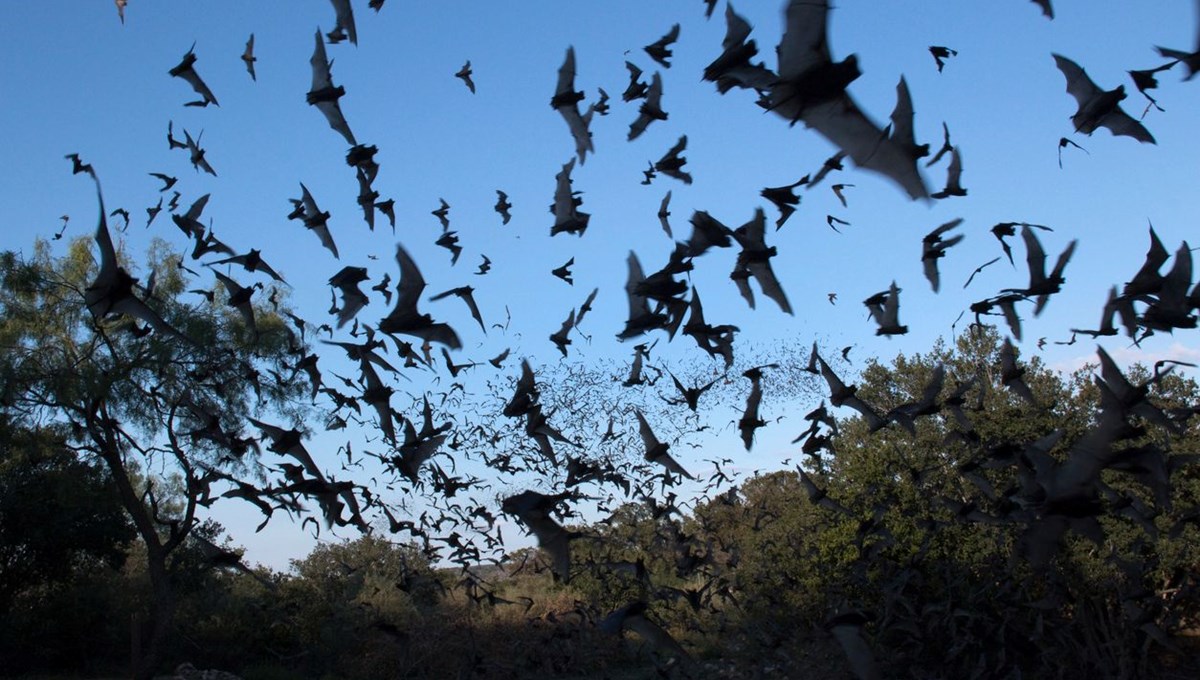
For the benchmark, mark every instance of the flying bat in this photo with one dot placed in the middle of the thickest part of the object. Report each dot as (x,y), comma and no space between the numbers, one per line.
(650,110)
(785,199)
(184,69)
(755,260)
(953,177)
(466,294)
(671,164)
(564,272)
(404,317)
(1063,143)
(1099,108)
(664,212)
(251,262)
(566,216)
(656,451)
(196,154)
(812,88)
(933,247)
(111,292)
(324,95)
(636,88)
(503,206)
(566,101)
(941,54)
(464,74)
(305,209)
(659,50)
(249,58)
(344,26)
(353,299)
(1042,285)
(885,309)
(733,67)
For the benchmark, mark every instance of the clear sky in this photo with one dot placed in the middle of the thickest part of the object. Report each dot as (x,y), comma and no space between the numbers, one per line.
(78,81)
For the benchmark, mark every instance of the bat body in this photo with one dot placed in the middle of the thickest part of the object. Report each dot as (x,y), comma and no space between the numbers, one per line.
(324,95)
(404,317)
(1097,107)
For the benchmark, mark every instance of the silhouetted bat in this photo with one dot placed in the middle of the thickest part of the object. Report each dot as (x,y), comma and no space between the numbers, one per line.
(658,50)
(353,299)
(566,217)
(1098,108)
(664,213)
(671,164)
(733,68)
(933,247)
(305,209)
(185,70)
(404,317)
(197,154)
(344,27)
(812,88)
(249,58)
(941,54)
(503,206)
(566,101)
(324,95)
(651,109)
(885,309)
(467,295)
(953,177)
(755,260)
(464,73)
(636,89)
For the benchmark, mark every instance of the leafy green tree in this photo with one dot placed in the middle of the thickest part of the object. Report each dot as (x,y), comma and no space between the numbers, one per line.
(941,533)
(135,401)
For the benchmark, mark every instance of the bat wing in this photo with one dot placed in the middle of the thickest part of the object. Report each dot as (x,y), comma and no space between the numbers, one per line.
(1122,124)
(804,44)
(1079,85)
(841,122)
(411,282)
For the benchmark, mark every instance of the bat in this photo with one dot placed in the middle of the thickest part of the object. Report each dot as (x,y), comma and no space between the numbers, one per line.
(656,451)
(564,272)
(184,69)
(885,309)
(404,317)
(755,260)
(1098,108)
(503,206)
(344,26)
(658,50)
(933,247)
(111,292)
(353,299)
(466,294)
(663,213)
(941,54)
(305,209)
(650,110)
(464,74)
(953,177)
(566,217)
(324,95)
(812,88)
(785,199)
(249,58)
(252,262)
(566,101)
(671,164)
(636,88)
(196,154)
(733,67)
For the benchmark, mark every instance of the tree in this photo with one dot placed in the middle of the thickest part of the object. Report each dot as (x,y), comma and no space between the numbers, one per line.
(1050,526)
(141,402)
(57,512)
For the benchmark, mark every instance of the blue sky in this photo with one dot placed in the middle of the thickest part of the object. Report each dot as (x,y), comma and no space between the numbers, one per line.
(78,81)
